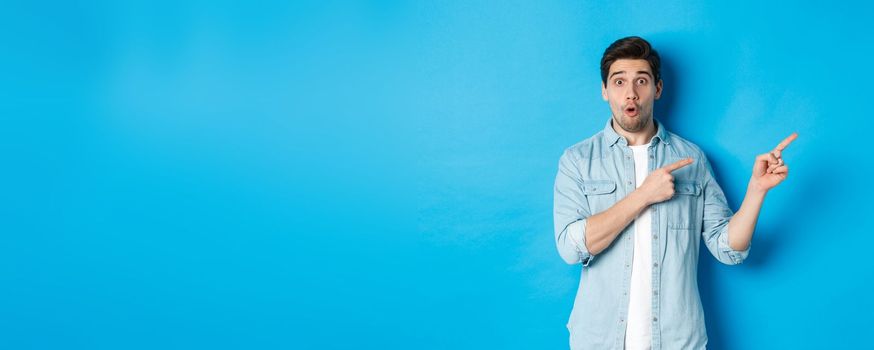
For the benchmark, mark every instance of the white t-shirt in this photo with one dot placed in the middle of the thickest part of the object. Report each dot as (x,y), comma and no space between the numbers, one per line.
(638,334)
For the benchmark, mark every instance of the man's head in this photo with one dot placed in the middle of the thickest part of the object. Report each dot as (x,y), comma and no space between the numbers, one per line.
(630,82)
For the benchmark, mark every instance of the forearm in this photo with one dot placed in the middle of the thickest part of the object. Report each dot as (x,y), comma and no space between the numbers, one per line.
(602,228)
(743,223)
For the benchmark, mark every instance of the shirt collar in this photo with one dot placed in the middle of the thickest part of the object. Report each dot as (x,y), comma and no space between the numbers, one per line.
(611,137)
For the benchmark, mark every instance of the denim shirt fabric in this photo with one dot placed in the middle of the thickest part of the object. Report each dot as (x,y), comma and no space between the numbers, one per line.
(592,176)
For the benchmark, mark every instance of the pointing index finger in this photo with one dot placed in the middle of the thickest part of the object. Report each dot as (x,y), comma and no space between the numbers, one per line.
(678,164)
(787,141)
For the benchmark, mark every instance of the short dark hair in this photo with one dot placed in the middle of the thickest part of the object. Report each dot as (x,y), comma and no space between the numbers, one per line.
(632,47)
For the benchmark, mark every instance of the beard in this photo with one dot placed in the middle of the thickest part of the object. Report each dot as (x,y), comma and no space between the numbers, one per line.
(631,124)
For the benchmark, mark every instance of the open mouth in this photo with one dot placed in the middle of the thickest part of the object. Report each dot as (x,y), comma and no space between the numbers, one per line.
(632,111)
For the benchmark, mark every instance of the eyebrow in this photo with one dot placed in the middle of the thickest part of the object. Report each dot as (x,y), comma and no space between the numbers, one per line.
(638,72)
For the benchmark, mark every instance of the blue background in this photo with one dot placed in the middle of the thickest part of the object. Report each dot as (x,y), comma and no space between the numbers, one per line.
(321,175)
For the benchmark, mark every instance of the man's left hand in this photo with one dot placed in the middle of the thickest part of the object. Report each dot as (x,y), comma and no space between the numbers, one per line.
(770,169)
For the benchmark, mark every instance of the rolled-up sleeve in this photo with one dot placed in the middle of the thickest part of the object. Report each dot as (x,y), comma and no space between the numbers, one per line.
(717,214)
(570,211)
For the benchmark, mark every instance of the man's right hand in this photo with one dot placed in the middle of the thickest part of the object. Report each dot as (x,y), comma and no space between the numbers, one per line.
(659,185)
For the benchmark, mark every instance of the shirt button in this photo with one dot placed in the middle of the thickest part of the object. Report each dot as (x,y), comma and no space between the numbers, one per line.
(655,236)
(655,293)
(655,264)
(654,319)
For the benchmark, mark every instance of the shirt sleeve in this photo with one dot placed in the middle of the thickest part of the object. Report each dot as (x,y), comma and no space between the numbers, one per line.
(717,214)
(570,212)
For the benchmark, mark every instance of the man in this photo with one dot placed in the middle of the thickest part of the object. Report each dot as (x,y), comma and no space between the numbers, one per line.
(631,203)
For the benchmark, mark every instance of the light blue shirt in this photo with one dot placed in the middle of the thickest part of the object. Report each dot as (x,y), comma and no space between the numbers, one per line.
(595,174)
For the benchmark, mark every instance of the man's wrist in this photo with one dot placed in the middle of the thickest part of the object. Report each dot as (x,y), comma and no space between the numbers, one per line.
(755,191)
(639,199)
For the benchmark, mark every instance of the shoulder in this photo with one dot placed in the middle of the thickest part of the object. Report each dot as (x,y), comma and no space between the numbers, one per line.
(590,148)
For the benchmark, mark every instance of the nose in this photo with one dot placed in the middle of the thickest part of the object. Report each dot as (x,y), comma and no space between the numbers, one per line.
(631,93)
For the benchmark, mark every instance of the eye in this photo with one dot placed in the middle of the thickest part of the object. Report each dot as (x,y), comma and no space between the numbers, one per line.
(619,82)
(641,81)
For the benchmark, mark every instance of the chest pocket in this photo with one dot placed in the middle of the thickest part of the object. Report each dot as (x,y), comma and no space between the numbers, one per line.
(689,188)
(683,209)
(601,194)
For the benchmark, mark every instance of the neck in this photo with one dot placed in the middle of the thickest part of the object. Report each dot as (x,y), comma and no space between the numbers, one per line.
(636,138)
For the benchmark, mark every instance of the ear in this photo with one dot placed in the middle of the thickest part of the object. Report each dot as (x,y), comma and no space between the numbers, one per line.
(658,89)
(603,91)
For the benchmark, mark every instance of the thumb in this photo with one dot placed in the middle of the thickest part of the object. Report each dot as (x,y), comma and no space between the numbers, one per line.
(761,164)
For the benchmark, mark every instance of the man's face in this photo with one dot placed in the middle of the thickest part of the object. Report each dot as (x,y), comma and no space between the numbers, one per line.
(631,91)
